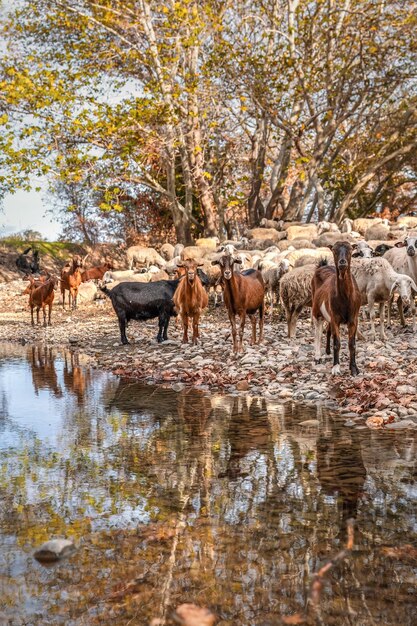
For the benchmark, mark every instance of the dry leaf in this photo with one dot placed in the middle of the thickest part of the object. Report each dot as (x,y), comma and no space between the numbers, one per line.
(192,615)
(376,421)
(293,619)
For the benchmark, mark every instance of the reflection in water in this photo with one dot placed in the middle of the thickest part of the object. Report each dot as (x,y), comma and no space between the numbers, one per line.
(227,502)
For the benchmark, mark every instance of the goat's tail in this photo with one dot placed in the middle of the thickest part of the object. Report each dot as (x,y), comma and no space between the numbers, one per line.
(323,262)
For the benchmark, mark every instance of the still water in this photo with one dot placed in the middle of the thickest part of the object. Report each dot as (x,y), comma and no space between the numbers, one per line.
(230,503)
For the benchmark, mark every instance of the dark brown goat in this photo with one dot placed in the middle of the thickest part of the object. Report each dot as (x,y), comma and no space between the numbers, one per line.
(41,297)
(190,297)
(71,280)
(96,273)
(336,300)
(243,295)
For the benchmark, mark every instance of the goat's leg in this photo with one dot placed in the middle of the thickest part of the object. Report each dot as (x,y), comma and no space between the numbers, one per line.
(196,318)
(261,322)
(336,349)
(318,331)
(38,308)
(31,315)
(166,324)
(253,322)
(352,348)
(63,298)
(49,313)
(184,318)
(328,336)
(234,332)
(241,330)
(382,334)
(44,314)
(122,326)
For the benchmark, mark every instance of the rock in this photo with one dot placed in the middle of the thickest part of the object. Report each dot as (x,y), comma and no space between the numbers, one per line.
(402,424)
(309,423)
(73,340)
(242,385)
(406,389)
(54,550)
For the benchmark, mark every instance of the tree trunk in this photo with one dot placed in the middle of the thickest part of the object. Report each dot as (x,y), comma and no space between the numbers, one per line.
(259,144)
(296,200)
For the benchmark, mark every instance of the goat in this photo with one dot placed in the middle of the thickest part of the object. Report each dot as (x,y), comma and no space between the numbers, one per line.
(27,265)
(41,296)
(336,300)
(96,273)
(143,301)
(243,295)
(71,280)
(190,298)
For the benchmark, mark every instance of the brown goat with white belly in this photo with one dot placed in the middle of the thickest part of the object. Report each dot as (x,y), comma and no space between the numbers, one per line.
(41,295)
(71,280)
(243,295)
(336,300)
(190,298)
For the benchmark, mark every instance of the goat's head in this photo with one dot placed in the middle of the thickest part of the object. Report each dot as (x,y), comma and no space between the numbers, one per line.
(226,263)
(76,261)
(342,253)
(188,267)
(410,243)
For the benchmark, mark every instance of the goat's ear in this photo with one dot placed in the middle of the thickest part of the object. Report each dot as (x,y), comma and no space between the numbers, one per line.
(354,246)
(400,244)
(216,262)
(355,255)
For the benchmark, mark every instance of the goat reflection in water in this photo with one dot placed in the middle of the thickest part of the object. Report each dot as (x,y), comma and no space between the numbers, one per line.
(44,375)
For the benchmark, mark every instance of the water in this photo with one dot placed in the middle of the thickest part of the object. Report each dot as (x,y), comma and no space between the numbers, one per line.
(173,497)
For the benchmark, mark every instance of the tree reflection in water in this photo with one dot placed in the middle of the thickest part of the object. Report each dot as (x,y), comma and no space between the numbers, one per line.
(227,502)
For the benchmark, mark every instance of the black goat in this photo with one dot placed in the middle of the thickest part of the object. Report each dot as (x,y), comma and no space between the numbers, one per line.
(27,265)
(143,301)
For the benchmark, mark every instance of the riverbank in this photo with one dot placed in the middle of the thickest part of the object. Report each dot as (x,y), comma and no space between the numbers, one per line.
(384,395)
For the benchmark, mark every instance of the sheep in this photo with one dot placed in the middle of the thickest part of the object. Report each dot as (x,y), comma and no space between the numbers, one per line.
(272,277)
(320,253)
(119,275)
(264,223)
(299,242)
(346,225)
(409,221)
(178,249)
(167,251)
(141,255)
(239,245)
(210,243)
(377,281)
(361,224)
(295,294)
(265,233)
(306,231)
(403,258)
(377,231)
(327,227)
(194,252)
(329,239)
(87,292)
(362,249)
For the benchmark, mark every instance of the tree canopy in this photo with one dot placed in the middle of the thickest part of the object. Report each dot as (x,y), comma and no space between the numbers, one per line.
(210,115)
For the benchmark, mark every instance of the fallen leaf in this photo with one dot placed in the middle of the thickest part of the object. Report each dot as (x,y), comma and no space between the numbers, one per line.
(293,619)
(192,615)
(376,421)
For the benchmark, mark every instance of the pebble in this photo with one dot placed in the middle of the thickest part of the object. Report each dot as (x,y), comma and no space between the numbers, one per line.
(403,424)
(54,550)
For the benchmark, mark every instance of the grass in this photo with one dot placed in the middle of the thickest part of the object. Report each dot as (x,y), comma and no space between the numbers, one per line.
(57,249)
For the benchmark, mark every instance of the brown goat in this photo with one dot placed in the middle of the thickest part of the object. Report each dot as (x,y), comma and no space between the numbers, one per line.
(336,300)
(190,298)
(71,280)
(96,273)
(243,295)
(41,297)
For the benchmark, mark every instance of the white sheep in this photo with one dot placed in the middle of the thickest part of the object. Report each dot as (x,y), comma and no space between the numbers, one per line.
(377,281)
(272,276)
(142,255)
(295,294)
(167,251)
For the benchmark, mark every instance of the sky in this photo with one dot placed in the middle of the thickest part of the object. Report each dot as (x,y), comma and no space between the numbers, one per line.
(24,210)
